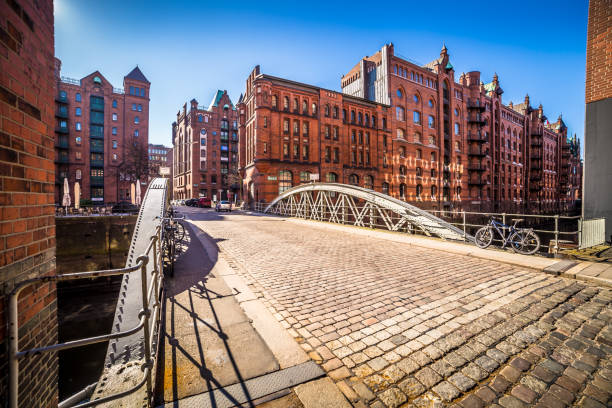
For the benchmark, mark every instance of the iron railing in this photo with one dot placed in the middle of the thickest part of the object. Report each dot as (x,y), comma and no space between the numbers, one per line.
(554,230)
(150,300)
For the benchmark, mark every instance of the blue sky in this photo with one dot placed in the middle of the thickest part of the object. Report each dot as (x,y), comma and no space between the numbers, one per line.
(189,49)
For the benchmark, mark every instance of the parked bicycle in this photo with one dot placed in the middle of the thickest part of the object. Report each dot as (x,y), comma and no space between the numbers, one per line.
(521,240)
(173,233)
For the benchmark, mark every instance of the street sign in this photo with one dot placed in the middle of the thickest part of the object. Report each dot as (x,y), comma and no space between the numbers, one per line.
(314,177)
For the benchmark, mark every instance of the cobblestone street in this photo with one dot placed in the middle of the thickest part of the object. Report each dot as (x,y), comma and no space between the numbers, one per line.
(395,325)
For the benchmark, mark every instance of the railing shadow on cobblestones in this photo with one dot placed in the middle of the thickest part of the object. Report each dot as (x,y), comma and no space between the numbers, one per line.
(192,279)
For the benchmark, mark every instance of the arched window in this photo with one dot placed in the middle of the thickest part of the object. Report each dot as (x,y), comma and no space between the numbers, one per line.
(402,190)
(434,190)
(385,188)
(400,133)
(335,112)
(433,156)
(432,140)
(402,170)
(296,104)
(457,129)
(331,177)
(419,190)
(77,97)
(433,172)
(304,106)
(418,154)
(354,179)
(415,98)
(417,137)
(402,151)
(399,93)
(284,181)
(431,121)
(360,118)
(400,114)
(286,103)
(304,177)
(314,108)
(326,110)
(367,119)
(274,101)
(459,190)
(352,116)
(419,172)
(368,182)
(431,103)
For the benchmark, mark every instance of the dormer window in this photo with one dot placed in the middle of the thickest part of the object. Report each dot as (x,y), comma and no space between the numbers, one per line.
(97,80)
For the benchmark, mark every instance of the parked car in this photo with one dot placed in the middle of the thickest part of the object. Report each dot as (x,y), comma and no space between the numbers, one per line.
(192,202)
(204,202)
(124,207)
(223,205)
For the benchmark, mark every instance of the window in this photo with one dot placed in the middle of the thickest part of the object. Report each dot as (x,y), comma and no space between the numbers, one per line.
(417,137)
(402,190)
(77,97)
(353,136)
(142,92)
(114,156)
(136,133)
(304,176)
(265,122)
(431,121)
(286,150)
(331,177)
(360,118)
(416,98)
(354,179)
(296,127)
(335,134)
(419,190)
(286,103)
(114,117)
(286,125)
(326,132)
(78,140)
(457,147)
(78,155)
(403,170)
(335,112)
(352,116)
(385,188)
(327,154)
(314,108)
(200,118)
(433,156)
(416,117)
(133,106)
(305,128)
(77,126)
(114,103)
(296,151)
(97,80)
(368,182)
(77,111)
(326,110)
(431,103)
(402,151)
(353,157)
(296,104)
(418,154)
(419,172)
(457,128)
(367,138)
(136,120)
(305,152)
(400,113)
(114,131)
(336,155)
(456,112)
(432,140)
(284,181)
(114,144)
(213,179)
(139,108)
(433,172)
(399,93)
(434,191)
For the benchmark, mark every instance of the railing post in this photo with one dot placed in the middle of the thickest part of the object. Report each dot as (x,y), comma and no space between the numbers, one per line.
(147,313)
(464,230)
(504,222)
(556,249)
(13,349)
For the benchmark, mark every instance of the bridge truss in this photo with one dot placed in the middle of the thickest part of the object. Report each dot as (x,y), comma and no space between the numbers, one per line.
(358,206)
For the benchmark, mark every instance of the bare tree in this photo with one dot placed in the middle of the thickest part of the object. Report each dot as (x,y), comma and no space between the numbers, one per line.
(135,166)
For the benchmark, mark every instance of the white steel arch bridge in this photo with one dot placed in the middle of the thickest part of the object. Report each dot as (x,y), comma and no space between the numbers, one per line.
(353,205)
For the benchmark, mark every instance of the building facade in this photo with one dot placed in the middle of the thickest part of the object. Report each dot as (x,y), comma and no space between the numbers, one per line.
(27,224)
(414,132)
(205,150)
(158,157)
(598,123)
(102,136)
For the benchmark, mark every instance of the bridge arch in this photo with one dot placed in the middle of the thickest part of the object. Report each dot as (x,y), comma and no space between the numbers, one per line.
(349,204)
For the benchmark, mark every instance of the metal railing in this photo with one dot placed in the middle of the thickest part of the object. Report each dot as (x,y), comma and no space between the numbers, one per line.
(559,229)
(150,300)
(592,232)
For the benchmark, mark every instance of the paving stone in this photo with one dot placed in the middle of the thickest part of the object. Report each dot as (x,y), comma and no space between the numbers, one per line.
(510,401)
(588,402)
(534,384)
(393,374)
(455,360)
(568,383)
(462,382)
(447,391)
(442,368)
(332,364)
(524,394)
(548,400)
(340,373)
(551,365)
(485,394)
(398,339)
(497,355)
(499,384)
(597,394)
(348,391)
(427,377)
(411,387)
(487,363)
(562,394)
(472,401)
(393,397)
(376,383)
(421,358)
(362,390)
(378,363)
(408,365)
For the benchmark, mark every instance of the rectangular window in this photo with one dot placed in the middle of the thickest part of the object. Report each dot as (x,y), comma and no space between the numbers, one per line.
(78,155)
(417,117)
(131,90)
(77,140)
(305,152)
(96,131)
(96,117)
(336,155)
(114,117)
(78,126)
(335,132)
(353,157)
(296,151)
(286,150)
(327,154)
(114,131)
(77,111)
(265,147)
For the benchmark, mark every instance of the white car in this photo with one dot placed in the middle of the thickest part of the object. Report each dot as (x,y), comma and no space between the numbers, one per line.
(223,206)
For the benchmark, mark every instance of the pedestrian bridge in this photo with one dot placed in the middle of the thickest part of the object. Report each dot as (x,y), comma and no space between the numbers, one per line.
(347,204)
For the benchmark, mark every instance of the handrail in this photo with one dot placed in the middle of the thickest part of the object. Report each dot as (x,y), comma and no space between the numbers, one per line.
(150,300)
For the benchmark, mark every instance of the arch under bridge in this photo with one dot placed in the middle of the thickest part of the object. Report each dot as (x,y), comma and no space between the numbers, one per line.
(348,204)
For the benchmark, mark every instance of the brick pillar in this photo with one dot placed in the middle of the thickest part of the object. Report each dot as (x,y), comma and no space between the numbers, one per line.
(27,224)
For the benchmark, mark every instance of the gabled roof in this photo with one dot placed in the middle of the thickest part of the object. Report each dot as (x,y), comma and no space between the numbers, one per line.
(217,98)
(137,75)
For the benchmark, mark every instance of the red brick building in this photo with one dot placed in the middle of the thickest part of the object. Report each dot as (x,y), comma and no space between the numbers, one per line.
(159,156)
(102,135)
(27,224)
(414,132)
(205,150)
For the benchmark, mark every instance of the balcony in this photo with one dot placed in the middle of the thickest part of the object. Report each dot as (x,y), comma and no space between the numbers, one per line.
(477,151)
(97,107)
(478,119)
(476,167)
(62,143)
(97,163)
(96,149)
(477,181)
(477,137)
(96,180)
(62,129)
(61,99)
(476,104)
(62,158)
(61,113)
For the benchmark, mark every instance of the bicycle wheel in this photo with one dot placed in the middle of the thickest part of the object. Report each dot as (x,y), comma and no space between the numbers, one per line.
(179,232)
(525,242)
(484,237)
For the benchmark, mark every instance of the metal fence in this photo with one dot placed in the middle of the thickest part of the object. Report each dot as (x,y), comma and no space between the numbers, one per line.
(555,231)
(593,232)
(149,319)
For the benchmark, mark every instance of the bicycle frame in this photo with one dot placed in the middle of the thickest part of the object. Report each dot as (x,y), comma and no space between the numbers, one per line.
(505,238)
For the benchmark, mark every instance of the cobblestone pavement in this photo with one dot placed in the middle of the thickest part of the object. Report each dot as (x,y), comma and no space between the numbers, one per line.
(402,326)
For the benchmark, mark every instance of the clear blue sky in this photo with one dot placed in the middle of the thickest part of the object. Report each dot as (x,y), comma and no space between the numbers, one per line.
(189,49)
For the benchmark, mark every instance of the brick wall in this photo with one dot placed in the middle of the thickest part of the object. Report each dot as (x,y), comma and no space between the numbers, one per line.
(27,226)
(599,51)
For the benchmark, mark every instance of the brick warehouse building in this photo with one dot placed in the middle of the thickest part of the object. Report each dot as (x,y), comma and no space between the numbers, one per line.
(102,135)
(27,225)
(384,132)
(158,157)
(205,150)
